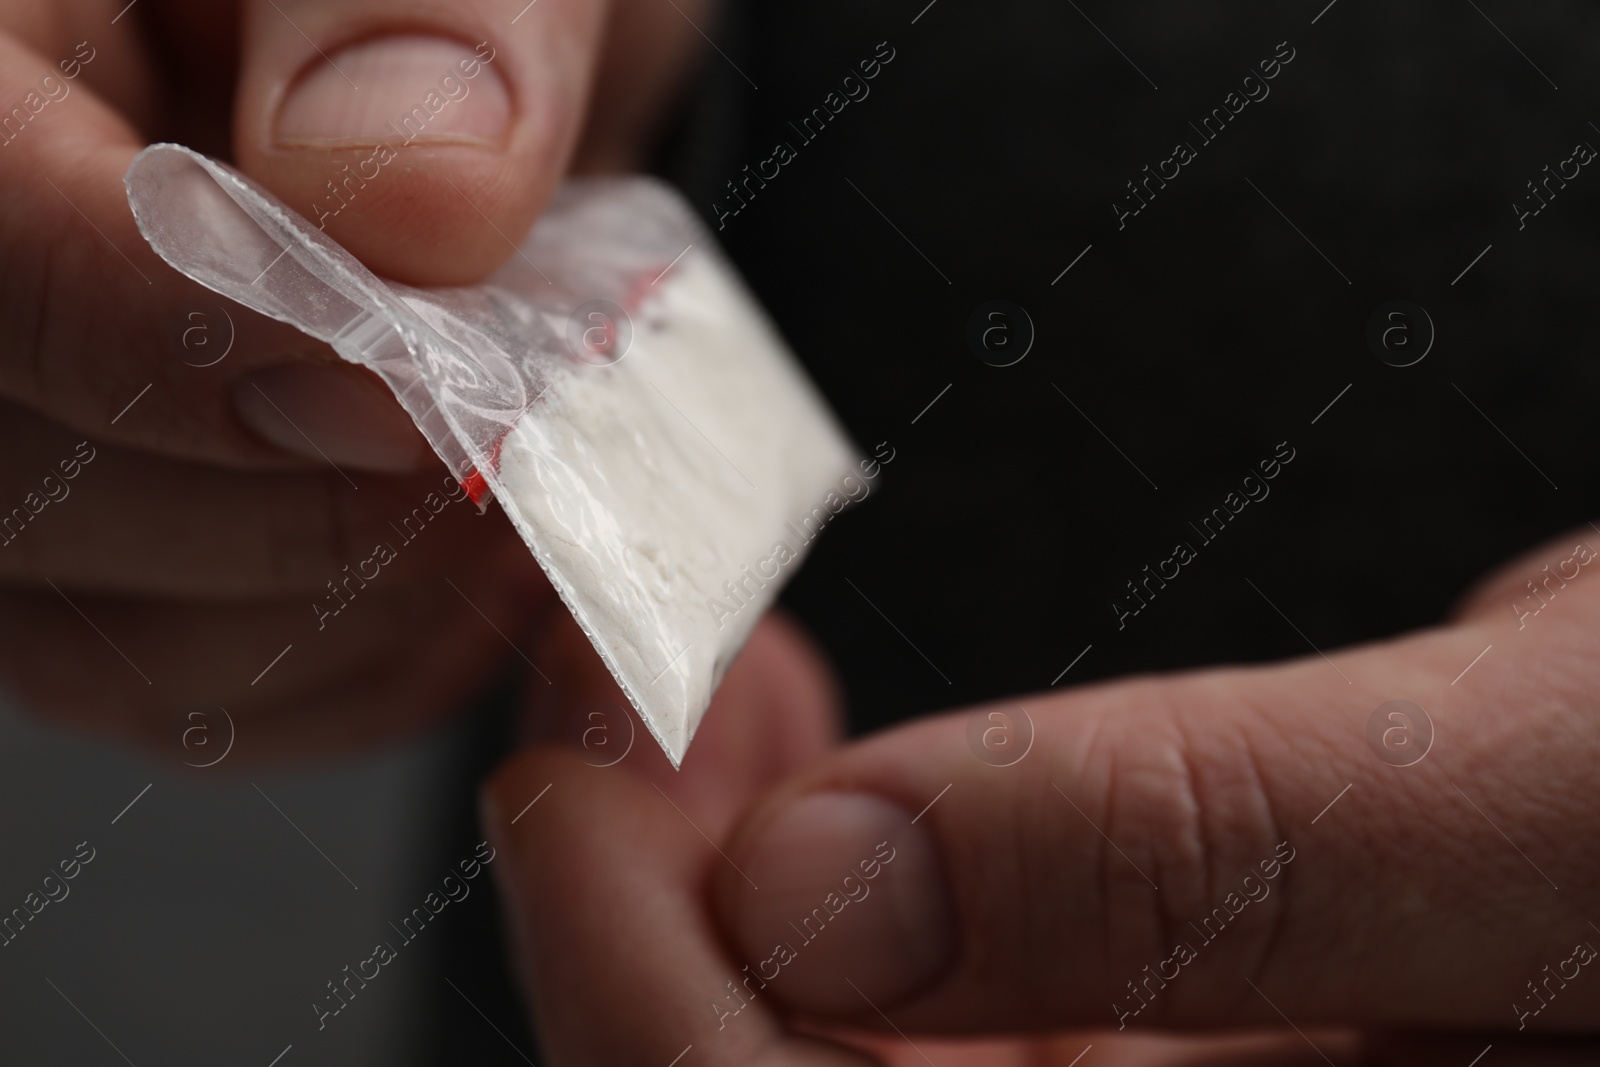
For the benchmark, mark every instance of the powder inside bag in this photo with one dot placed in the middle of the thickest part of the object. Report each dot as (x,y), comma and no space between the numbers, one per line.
(657,488)
(668,495)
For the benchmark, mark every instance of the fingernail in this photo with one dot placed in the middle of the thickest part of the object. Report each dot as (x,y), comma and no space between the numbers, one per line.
(394,90)
(331,412)
(841,886)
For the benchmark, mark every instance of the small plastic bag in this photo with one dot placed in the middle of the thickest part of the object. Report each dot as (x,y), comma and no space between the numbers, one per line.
(612,385)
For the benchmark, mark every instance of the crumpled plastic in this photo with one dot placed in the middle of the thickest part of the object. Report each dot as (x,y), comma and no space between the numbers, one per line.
(613,386)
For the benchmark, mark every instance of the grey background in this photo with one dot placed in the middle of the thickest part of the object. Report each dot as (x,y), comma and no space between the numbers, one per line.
(206,925)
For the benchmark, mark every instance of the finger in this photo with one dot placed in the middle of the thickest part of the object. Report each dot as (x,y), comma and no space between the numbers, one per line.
(392,662)
(1263,1049)
(777,710)
(1278,1047)
(1166,854)
(1273,1048)
(424,138)
(649,47)
(603,877)
(1521,589)
(99,334)
(600,880)
(97,517)
(95,49)
(1452,1050)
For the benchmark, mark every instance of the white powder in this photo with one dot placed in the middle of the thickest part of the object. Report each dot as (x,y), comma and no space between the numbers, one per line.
(646,485)
(645,488)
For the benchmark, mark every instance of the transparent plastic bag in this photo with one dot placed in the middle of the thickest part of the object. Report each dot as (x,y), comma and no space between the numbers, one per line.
(612,385)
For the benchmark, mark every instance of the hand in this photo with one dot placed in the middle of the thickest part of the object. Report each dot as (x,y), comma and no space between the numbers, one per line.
(223,468)
(1394,914)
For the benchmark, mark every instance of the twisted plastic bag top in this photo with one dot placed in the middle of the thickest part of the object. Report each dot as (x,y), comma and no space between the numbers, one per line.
(612,386)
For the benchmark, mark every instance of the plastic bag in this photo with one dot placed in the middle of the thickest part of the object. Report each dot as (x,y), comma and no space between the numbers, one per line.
(612,385)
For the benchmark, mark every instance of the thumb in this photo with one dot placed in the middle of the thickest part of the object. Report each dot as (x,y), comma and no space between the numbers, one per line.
(603,878)
(423,137)
(1202,850)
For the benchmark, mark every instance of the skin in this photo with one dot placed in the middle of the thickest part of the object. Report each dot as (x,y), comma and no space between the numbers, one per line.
(193,543)
(193,546)
(1401,932)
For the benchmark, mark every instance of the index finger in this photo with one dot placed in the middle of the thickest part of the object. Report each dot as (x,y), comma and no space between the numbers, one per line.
(603,873)
(102,336)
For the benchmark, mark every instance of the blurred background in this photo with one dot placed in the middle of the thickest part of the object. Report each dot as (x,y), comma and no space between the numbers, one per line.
(1165,358)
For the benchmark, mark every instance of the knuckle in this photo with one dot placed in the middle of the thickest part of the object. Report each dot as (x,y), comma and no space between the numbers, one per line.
(1188,805)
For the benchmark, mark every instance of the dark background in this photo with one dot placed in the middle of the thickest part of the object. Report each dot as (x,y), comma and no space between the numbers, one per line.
(1197,338)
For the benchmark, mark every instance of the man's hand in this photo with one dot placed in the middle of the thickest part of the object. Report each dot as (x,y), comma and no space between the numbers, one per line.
(1222,850)
(237,468)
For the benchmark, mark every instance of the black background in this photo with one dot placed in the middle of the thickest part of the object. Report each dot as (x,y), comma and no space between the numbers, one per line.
(1197,338)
